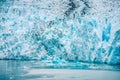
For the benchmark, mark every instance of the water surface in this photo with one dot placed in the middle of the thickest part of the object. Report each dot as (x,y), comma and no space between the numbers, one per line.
(36,70)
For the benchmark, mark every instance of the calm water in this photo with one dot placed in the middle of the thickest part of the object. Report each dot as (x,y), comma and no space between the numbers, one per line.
(35,70)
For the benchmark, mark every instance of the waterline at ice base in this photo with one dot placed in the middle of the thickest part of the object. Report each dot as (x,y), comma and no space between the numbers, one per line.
(60,38)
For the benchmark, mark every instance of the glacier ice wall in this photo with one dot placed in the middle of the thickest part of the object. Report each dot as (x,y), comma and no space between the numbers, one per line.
(60,30)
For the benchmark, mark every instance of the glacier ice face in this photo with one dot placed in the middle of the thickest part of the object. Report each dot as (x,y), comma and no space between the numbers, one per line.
(60,31)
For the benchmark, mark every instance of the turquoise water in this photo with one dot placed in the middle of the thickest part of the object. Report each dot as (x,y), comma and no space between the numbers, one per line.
(36,70)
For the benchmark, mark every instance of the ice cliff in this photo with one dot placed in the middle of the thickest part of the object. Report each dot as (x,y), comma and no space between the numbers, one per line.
(60,30)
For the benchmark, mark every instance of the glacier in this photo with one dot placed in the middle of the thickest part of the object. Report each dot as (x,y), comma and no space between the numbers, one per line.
(60,31)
